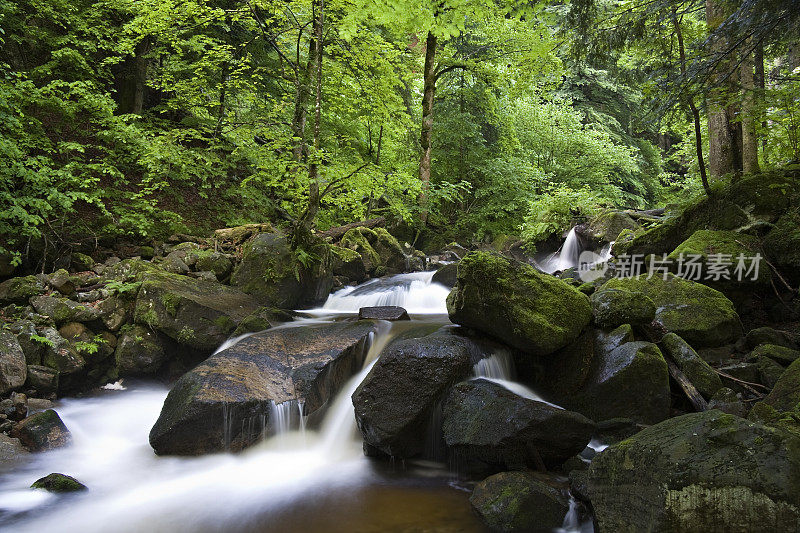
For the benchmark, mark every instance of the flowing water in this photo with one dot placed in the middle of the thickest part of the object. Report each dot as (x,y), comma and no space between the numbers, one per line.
(297,480)
(572,254)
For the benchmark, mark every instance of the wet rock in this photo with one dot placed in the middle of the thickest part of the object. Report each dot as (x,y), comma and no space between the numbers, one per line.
(607,226)
(61,356)
(13,370)
(38,404)
(63,310)
(782,243)
(394,403)
(615,307)
(196,313)
(141,351)
(115,311)
(42,379)
(631,381)
(42,431)
(225,402)
(59,483)
(700,315)
(386,312)
(729,402)
(709,472)
(19,290)
(446,275)
(489,428)
(533,312)
(785,395)
(700,373)
(769,372)
(520,501)
(270,271)
(704,244)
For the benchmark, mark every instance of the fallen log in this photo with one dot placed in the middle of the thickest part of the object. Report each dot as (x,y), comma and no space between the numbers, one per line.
(691,392)
(334,234)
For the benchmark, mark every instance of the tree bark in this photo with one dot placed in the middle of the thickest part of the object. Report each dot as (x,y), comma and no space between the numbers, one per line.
(758,58)
(749,115)
(720,131)
(429,91)
(315,62)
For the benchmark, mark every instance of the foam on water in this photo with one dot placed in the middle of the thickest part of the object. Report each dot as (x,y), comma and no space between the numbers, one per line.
(416,292)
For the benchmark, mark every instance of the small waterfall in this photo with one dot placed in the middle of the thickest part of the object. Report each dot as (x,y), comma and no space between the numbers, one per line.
(286,417)
(416,292)
(499,368)
(572,521)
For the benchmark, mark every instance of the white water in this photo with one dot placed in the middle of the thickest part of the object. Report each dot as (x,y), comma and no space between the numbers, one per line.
(416,292)
(571,255)
(499,368)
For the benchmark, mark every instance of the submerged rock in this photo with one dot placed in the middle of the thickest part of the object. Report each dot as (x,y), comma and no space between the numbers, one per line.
(59,483)
(520,501)
(702,316)
(386,312)
(197,313)
(512,301)
(225,402)
(701,472)
(42,431)
(394,403)
(487,427)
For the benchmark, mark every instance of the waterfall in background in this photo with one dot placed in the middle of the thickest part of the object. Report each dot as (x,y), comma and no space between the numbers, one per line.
(415,292)
(571,254)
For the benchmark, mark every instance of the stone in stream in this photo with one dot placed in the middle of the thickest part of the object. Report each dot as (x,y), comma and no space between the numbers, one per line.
(141,351)
(395,401)
(446,275)
(385,312)
(702,472)
(488,428)
(512,301)
(225,402)
(196,313)
(702,316)
(42,431)
(59,483)
(521,501)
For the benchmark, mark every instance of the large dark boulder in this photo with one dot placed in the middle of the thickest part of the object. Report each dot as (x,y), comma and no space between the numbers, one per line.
(700,315)
(377,248)
(394,403)
(197,313)
(225,402)
(42,431)
(141,351)
(531,311)
(270,271)
(487,427)
(701,472)
(446,275)
(521,501)
(630,381)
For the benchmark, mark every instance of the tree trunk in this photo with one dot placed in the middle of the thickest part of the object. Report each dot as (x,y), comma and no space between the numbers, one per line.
(749,115)
(315,62)
(758,57)
(429,91)
(722,146)
(698,133)
(140,75)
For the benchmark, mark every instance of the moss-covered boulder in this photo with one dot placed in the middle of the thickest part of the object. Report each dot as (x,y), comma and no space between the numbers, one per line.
(780,354)
(727,401)
(446,275)
(272,272)
(193,312)
(488,428)
(19,290)
(59,483)
(348,264)
(785,395)
(42,431)
(61,356)
(519,305)
(615,307)
(42,379)
(769,371)
(13,369)
(700,373)
(607,226)
(141,351)
(226,402)
(701,472)
(782,244)
(63,310)
(702,316)
(394,403)
(520,501)
(765,335)
(630,381)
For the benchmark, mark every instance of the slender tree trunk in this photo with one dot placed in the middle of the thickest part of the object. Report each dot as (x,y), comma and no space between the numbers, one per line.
(302,94)
(316,64)
(429,91)
(698,133)
(140,75)
(758,57)
(749,115)
(720,133)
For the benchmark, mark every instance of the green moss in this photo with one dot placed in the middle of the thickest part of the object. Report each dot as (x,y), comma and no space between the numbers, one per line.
(225,323)
(59,483)
(171,303)
(186,335)
(344,254)
(357,240)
